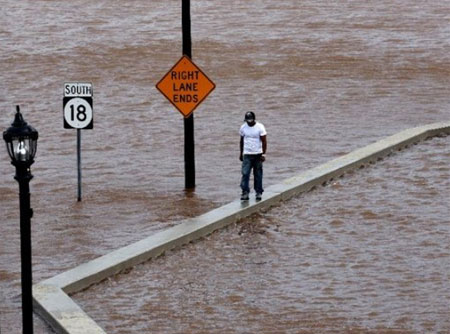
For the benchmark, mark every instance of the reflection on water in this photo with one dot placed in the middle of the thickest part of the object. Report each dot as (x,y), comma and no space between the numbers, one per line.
(325,77)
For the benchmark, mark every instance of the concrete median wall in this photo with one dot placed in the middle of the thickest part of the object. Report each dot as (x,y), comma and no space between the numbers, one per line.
(65,316)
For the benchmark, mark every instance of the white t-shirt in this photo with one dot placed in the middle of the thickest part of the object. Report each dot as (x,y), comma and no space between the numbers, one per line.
(252,140)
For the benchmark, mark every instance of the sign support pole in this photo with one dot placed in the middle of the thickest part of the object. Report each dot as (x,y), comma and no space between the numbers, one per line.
(78,114)
(79,163)
(189,143)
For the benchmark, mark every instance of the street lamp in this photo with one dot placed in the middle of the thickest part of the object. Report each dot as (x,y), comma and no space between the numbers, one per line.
(21,143)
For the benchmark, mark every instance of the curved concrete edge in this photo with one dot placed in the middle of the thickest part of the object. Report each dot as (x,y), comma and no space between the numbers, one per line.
(89,273)
(357,159)
(61,312)
(65,316)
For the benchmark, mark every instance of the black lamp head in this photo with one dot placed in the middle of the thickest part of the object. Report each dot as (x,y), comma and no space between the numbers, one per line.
(21,141)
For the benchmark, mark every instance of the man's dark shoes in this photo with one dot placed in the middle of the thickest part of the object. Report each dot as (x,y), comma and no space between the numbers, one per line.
(258,196)
(244,196)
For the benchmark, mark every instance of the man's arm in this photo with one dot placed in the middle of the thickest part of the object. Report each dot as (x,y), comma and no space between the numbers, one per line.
(264,147)
(241,147)
(264,143)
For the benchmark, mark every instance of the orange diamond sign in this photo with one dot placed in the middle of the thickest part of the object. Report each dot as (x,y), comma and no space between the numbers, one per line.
(185,86)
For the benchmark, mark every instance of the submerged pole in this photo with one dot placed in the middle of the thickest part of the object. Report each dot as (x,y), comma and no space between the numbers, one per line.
(189,143)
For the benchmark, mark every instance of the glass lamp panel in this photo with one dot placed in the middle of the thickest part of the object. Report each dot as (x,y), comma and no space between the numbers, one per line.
(21,147)
(33,147)
(9,148)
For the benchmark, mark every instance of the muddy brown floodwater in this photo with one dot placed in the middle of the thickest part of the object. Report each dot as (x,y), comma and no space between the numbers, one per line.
(325,77)
(369,253)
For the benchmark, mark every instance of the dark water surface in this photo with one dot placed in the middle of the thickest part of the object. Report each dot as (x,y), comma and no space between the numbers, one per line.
(325,77)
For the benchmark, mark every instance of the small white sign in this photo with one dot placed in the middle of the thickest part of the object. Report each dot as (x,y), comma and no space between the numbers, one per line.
(78,113)
(78,89)
(77,105)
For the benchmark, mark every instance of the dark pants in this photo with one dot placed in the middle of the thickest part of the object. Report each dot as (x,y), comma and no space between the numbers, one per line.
(252,161)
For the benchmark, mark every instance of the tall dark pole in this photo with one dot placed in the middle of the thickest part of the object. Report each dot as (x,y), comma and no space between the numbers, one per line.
(23,176)
(79,163)
(189,144)
(21,143)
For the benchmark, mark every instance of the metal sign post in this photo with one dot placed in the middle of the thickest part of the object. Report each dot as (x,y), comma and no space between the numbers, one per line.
(79,163)
(186,86)
(78,114)
(189,143)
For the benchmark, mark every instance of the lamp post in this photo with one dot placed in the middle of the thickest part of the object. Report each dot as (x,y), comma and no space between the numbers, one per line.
(21,143)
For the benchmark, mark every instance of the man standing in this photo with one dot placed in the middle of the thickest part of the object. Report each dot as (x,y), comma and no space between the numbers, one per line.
(253,146)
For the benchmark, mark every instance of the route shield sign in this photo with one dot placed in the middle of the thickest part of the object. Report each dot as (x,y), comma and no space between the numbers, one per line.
(77,106)
(185,86)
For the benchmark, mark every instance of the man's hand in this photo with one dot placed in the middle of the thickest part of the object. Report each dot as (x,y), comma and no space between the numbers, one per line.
(263,158)
(241,157)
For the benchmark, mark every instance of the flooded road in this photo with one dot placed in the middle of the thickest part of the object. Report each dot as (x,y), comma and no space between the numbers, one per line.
(368,253)
(325,78)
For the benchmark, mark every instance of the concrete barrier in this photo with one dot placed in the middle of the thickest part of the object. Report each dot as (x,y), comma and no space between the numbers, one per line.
(51,298)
